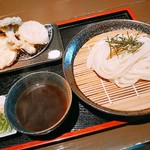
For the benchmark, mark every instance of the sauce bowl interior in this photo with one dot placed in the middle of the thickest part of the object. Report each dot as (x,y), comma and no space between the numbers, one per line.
(32,81)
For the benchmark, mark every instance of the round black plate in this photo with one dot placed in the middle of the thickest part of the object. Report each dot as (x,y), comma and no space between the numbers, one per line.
(80,39)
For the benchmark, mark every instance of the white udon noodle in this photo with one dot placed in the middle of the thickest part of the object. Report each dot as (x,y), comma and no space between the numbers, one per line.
(124,70)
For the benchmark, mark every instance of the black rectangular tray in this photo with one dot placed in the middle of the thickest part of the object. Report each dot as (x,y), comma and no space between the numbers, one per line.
(82,119)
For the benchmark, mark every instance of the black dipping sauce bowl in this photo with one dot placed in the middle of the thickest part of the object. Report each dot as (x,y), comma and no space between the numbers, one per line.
(38,103)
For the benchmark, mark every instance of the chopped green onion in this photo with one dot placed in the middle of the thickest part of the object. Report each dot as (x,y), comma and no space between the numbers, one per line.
(120,44)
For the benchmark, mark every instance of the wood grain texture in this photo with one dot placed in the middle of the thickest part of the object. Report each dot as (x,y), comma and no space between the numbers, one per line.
(116,139)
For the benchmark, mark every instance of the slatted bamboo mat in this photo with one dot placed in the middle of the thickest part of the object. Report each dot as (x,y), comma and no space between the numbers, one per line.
(105,93)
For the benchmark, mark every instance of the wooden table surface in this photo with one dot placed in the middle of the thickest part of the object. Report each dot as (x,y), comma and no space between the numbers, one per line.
(48,11)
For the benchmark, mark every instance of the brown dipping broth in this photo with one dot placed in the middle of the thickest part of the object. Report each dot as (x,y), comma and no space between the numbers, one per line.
(40,107)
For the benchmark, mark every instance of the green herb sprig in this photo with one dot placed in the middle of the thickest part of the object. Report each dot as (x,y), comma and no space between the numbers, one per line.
(120,44)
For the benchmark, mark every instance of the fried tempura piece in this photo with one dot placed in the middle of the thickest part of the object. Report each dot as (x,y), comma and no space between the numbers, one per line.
(9,24)
(16,44)
(7,56)
(29,48)
(10,21)
(16,36)
(33,32)
(29,34)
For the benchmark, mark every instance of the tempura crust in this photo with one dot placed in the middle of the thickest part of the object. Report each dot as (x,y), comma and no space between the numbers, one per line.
(33,32)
